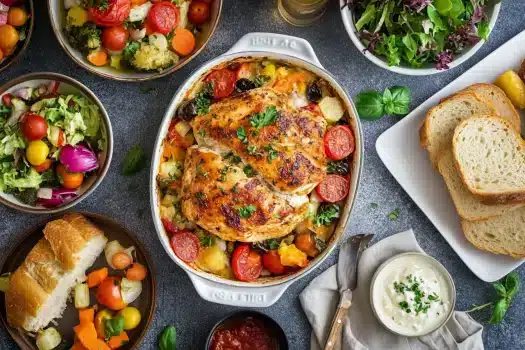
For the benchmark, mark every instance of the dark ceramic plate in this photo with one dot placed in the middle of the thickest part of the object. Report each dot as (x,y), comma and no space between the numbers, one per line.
(21,47)
(113,231)
(234,319)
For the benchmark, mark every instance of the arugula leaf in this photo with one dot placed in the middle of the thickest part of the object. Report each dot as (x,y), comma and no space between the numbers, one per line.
(265,118)
(247,211)
(134,161)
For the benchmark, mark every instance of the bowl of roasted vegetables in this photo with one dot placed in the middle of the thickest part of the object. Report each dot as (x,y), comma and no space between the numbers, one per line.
(16,27)
(133,40)
(419,37)
(255,168)
(55,142)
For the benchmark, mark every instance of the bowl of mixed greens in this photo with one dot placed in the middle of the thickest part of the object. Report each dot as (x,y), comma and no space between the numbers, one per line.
(56,143)
(419,37)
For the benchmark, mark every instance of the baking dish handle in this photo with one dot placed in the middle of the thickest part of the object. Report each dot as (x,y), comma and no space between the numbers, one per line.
(237,296)
(277,43)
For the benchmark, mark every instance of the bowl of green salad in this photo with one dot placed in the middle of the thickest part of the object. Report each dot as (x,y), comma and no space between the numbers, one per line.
(56,143)
(419,37)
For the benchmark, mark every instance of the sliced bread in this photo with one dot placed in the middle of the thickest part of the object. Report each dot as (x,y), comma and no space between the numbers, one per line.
(500,101)
(438,128)
(500,235)
(467,205)
(490,157)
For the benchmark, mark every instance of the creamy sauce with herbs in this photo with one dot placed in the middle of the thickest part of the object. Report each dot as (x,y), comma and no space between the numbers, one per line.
(412,295)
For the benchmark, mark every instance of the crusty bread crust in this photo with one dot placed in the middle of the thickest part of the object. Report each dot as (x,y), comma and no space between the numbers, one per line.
(65,242)
(504,197)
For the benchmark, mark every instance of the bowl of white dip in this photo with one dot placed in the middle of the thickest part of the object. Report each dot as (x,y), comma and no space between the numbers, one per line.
(412,294)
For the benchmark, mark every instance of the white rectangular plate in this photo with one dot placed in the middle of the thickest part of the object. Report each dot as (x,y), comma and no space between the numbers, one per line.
(400,150)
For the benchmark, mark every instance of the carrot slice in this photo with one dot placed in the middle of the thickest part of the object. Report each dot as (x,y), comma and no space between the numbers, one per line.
(86,315)
(87,334)
(117,341)
(96,277)
(183,41)
(78,346)
(137,272)
(98,58)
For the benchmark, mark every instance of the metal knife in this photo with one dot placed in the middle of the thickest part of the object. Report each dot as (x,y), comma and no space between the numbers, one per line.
(349,255)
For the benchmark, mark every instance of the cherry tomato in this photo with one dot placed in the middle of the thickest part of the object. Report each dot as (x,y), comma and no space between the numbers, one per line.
(34,127)
(114,38)
(333,188)
(169,226)
(137,272)
(177,140)
(108,293)
(246,263)
(339,142)
(163,17)
(306,243)
(116,13)
(185,245)
(199,12)
(272,262)
(67,179)
(44,166)
(8,38)
(223,82)
(16,17)
(37,152)
(6,99)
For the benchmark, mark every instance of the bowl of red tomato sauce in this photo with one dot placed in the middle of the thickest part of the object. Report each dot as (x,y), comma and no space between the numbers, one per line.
(247,330)
(133,40)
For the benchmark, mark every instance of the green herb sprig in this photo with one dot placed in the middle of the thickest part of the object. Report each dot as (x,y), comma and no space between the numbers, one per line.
(247,211)
(372,105)
(326,215)
(506,289)
(167,339)
(134,161)
(265,118)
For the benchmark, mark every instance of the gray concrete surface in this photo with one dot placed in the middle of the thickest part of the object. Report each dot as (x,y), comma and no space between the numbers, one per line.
(136,115)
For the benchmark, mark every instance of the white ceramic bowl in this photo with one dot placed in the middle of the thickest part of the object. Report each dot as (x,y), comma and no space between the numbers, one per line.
(296,52)
(492,11)
(67,86)
(57,14)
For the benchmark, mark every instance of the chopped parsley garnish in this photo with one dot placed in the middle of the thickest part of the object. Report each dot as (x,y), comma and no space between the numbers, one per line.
(326,215)
(269,244)
(234,159)
(200,172)
(201,199)
(223,173)
(206,241)
(394,215)
(247,211)
(265,118)
(251,150)
(338,167)
(248,171)
(272,153)
(202,104)
(420,302)
(260,80)
(202,133)
(241,135)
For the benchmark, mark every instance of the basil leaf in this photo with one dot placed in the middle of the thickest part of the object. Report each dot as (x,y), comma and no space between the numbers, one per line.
(512,284)
(167,338)
(387,96)
(369,105)
(500,289)
(114,326)
(499,310)
(134,161)
(400,94)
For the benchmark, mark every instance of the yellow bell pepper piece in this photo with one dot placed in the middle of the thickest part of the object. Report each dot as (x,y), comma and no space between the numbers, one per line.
(77,16)
(292,256)
(269,71)
(511,83)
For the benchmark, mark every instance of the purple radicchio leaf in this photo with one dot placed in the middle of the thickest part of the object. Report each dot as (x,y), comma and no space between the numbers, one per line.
(371,38)
(443,59)
(479,13)
(416,5)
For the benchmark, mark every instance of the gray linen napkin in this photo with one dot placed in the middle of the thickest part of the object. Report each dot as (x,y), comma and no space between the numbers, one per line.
(362,330)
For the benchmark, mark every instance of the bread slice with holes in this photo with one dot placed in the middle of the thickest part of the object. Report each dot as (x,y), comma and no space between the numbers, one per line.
(490,157)
(503,234)
(498,99)
(438,128)
(467,205)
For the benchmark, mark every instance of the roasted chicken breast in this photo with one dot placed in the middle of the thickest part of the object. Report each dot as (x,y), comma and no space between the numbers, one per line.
(283,145)
(219,197)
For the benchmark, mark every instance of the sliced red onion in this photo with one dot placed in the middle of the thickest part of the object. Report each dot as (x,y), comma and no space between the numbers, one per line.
(78,159)
(45,193)
(3,16)
(24,93)
(9,2)
(52,87)
(59,197)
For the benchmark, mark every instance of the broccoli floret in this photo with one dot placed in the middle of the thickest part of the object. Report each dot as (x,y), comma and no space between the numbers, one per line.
(148,57)
(85,38)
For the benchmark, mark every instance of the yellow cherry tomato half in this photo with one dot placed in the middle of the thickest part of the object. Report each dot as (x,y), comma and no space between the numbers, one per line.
(37,152)
(131,317)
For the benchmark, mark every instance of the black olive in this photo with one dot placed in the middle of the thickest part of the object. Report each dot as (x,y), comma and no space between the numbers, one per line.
(244,84)
(314,92)
(187,110)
